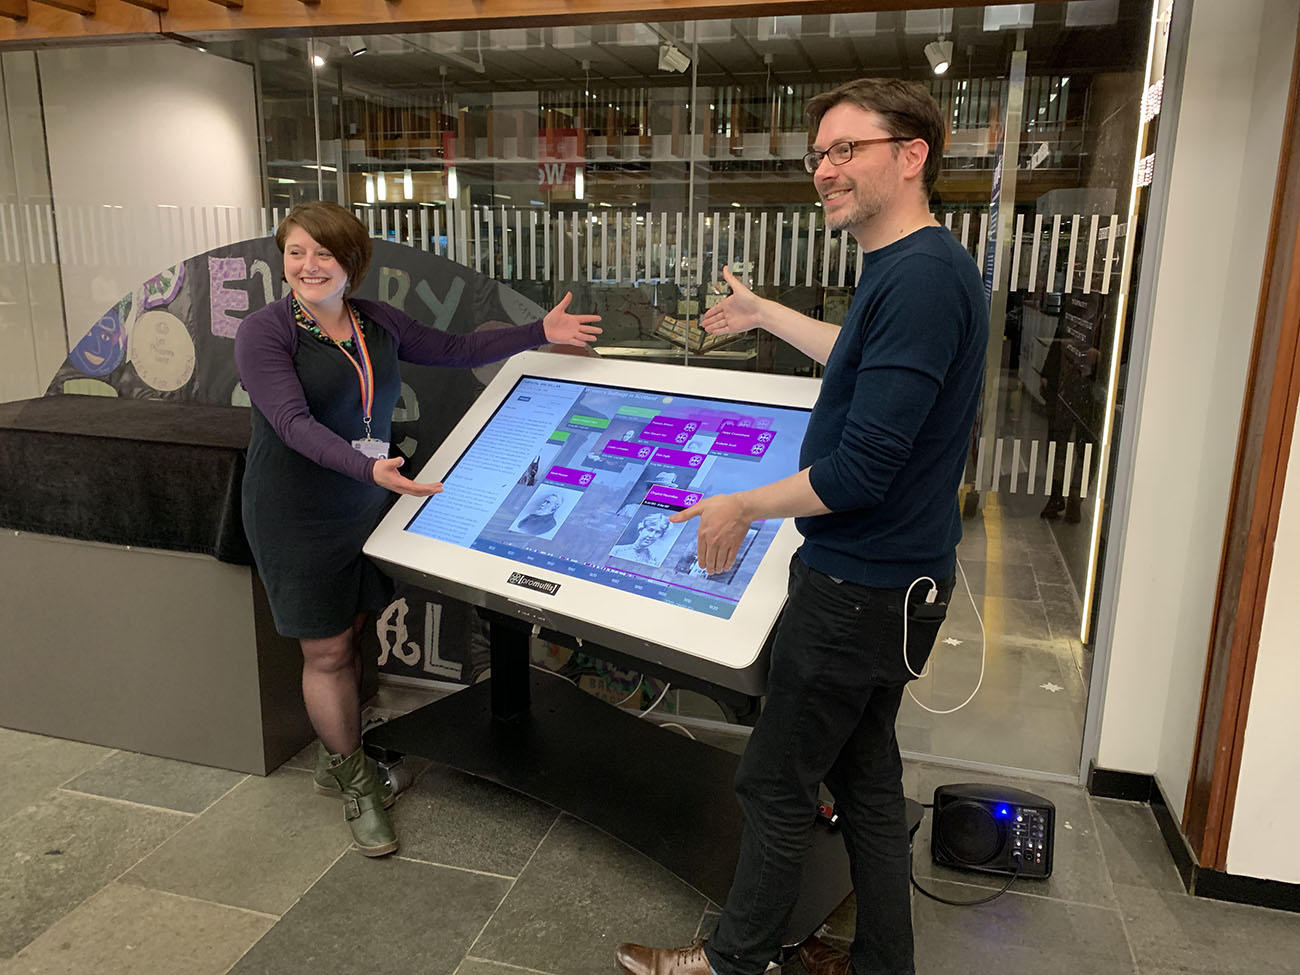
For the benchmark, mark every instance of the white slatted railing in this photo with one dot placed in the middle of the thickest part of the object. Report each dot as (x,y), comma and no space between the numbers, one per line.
(779,247)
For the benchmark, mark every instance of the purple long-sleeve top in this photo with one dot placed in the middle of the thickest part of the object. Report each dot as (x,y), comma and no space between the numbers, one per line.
(264,358)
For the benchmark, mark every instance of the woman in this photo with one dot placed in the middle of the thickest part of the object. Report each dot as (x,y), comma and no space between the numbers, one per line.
(653,527)
(321,370)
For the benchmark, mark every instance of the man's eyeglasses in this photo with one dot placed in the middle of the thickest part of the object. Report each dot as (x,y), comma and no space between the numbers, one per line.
(842,152)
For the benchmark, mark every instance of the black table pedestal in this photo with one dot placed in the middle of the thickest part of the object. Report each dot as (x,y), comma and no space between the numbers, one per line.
(661,793)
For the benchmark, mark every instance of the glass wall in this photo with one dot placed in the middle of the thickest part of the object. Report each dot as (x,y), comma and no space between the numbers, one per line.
(627,163)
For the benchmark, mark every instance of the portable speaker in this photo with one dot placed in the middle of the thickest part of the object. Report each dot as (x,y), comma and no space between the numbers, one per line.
(984,827)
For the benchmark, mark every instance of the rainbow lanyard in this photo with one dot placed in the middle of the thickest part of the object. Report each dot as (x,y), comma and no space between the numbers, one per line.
(361,363)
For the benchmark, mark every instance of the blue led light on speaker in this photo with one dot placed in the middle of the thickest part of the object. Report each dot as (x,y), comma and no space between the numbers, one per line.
(1004,810)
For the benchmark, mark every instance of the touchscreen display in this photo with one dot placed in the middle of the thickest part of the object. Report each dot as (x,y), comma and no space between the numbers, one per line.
(581,479)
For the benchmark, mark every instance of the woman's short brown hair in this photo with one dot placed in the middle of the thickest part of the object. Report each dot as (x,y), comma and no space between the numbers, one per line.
(907,109)
(336,229)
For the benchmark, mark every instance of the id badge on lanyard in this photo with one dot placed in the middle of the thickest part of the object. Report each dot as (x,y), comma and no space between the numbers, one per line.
(368,445)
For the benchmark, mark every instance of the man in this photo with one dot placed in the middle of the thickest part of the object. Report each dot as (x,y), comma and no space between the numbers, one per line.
(541,519)
(876,502)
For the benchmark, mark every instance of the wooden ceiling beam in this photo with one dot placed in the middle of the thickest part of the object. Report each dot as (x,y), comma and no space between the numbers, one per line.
(47,25)
(84,7)
(49,22)
(191,18)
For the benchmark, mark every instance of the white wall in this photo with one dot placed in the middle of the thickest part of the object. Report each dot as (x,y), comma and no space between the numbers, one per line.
(1239,58)
(152,148)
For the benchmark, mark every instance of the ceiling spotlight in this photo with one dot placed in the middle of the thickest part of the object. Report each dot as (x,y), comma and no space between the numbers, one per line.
(672,59)
(317,61)
(354,46)
(939,54)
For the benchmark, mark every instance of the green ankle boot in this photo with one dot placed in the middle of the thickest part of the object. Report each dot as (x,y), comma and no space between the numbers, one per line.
(363,806)
(326,785)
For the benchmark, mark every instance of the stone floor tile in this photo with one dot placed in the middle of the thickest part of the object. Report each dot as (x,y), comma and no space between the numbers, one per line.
(305,760)
(161,782)
(1018,933)
(448,817)
(1009,580)
(582,894)
(1049,567)
(259,848)
(126,930)
(56,853)
(35,764)
(1062,608)
(1048,726)
(1003,617)
(1172,931)
(379,915)
(477,966)
(1135,849)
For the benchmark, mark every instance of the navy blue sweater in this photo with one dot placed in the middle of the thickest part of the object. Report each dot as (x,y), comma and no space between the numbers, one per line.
(889,435)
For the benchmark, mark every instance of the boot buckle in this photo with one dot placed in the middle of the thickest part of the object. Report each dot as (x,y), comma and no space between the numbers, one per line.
(351,808)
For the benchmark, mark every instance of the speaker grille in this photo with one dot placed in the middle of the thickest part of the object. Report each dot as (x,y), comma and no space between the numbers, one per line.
(970,832)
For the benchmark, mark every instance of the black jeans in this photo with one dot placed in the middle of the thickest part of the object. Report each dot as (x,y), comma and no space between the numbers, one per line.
(836,681)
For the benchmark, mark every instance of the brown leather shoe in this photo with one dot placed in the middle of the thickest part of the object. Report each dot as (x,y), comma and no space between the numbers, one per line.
(640,960)
(821,959)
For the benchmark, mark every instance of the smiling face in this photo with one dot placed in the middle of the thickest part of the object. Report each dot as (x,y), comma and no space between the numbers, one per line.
(548,504)
(857,192)
(311,269)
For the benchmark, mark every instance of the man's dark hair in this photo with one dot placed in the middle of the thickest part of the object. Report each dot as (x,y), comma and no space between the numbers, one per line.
(907,109)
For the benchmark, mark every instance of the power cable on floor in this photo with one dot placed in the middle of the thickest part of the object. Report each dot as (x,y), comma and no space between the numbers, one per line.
(911,872)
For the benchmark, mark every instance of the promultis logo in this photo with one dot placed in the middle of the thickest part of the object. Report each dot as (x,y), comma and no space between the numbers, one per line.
(531,582)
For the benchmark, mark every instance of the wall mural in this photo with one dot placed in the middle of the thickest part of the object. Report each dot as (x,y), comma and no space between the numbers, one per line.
(172,338)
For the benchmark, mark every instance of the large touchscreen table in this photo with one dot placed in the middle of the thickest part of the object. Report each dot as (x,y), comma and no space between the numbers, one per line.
(559,485)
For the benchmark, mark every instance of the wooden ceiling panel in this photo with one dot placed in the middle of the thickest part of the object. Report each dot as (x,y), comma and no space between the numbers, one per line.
(204,17)
(47,26)
(84,7)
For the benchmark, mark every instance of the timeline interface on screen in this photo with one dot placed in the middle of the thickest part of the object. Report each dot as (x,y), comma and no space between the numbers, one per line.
(581,479)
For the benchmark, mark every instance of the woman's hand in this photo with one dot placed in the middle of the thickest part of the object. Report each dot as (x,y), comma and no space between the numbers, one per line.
(564,329)
(738,312)
(386,476)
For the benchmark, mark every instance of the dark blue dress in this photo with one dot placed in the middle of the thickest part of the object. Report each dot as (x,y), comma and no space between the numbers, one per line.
(306,524)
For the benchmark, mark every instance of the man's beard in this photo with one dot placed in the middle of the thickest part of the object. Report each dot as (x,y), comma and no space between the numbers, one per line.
(858,212)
